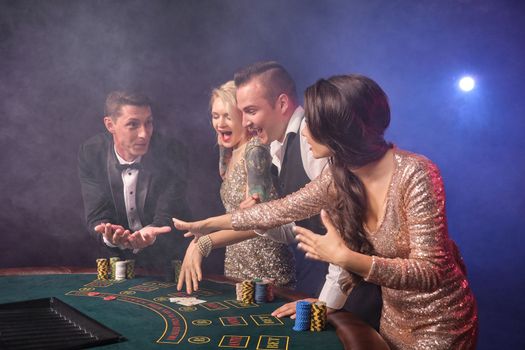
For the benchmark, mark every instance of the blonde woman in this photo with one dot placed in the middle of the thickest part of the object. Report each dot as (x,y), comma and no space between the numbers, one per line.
(244,166)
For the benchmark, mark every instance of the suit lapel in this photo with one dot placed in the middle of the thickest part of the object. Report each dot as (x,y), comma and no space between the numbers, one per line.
(115,182)
(143,184)
(289,140)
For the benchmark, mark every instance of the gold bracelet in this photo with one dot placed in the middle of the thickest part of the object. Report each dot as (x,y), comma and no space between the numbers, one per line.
(205,245)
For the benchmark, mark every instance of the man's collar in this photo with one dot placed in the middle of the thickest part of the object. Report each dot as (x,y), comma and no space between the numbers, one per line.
(293,126)
(122,160)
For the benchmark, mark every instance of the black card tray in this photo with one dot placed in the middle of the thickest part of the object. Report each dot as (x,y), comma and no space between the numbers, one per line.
(50,323)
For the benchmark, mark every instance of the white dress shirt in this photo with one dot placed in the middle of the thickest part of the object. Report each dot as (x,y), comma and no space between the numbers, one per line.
(129,182)
(331,293)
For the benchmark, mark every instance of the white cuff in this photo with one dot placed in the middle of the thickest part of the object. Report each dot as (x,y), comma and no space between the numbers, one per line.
(282,234)
(333,296)
(260,233)
(109,244)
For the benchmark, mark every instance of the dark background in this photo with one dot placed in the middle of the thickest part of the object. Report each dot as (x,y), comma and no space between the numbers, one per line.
(59,59)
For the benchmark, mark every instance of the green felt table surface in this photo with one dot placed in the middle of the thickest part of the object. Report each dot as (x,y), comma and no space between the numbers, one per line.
(144,315)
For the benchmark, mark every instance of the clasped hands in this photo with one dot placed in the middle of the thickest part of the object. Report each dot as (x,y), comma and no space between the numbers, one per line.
(120,237)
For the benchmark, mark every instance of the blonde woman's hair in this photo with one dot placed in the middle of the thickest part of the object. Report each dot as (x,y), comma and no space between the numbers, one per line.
(226,92)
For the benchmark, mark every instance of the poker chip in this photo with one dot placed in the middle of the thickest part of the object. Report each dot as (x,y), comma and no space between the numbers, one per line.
(261,292)
(318,316)
(247,292)
(176,266)
(302,316)
(102,269)
(93,294)
(120,270)
(112,264)
(110,297)
(130,269)
(172,271)
(269,289)
(238,291)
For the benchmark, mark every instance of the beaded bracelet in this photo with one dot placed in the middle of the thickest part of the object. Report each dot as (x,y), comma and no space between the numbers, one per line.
(205,245)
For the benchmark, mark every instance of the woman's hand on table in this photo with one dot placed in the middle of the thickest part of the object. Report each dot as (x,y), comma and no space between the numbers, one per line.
(288,309)
(191,272)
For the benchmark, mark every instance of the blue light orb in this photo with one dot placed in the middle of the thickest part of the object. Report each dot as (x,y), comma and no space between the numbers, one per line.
(467,83)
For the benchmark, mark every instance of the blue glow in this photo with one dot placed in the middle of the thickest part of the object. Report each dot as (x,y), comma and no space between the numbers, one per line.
(467,83)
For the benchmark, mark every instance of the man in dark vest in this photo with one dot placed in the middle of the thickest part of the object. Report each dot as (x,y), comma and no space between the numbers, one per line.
(266,95)
(133,181)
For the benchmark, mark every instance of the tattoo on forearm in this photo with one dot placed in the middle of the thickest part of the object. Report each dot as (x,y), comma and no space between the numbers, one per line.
(225,154)
(258,165)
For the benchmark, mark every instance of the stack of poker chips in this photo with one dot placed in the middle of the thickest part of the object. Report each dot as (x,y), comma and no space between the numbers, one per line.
(130,269)
(261,291)
(238,291)
(318,316)
(247,291)
(269,289)
(102,269)
(172,271)
(302,316)
(176,266)
(120,270)
(112,262)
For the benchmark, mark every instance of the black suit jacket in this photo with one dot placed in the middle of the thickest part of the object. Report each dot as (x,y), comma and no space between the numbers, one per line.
(160,193)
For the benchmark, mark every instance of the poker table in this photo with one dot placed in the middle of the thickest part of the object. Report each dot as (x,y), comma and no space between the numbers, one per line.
(141,312)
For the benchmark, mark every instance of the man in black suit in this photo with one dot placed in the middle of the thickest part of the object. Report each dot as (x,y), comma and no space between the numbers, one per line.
(133,181)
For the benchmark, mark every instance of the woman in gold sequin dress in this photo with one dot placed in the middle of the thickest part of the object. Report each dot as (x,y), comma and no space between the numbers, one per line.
(244,166)
(389,222)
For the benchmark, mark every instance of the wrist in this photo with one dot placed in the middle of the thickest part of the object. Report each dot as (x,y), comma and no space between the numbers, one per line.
(205,245)
(217,223)
(344,257)
(355,262)
(207,225)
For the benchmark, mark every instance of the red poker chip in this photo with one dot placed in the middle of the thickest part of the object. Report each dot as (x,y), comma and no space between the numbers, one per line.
(110,297)
(93,294)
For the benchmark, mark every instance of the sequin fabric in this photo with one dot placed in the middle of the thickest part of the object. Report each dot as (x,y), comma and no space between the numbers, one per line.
(257,257)
(427,301)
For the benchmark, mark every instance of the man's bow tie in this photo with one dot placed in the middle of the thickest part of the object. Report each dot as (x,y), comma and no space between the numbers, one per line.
(123,167)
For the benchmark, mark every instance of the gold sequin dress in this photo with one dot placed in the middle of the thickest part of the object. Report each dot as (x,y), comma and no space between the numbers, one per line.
(257,257)
(427,302)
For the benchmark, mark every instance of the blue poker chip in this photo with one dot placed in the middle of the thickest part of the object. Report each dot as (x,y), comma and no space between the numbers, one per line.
(301,303)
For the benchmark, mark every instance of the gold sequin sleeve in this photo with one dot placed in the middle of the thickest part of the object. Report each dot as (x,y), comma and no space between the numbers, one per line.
(423,205)
(306,202)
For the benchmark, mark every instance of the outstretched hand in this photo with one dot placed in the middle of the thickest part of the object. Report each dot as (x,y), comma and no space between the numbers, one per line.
(146,236)
(190,272)
(195,229)
(114,234)
(321,247)
(120,237)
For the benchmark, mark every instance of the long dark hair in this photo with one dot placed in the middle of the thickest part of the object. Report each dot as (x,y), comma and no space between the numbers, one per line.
(349,114)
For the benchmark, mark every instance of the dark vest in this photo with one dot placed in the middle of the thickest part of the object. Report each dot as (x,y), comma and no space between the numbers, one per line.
(293,177)
(310,274)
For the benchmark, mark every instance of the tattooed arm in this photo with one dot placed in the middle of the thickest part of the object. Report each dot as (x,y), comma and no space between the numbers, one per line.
(258,165)
(225,154)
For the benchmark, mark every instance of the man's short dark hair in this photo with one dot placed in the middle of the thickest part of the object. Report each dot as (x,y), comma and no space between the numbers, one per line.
(273,77)
(117,99)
